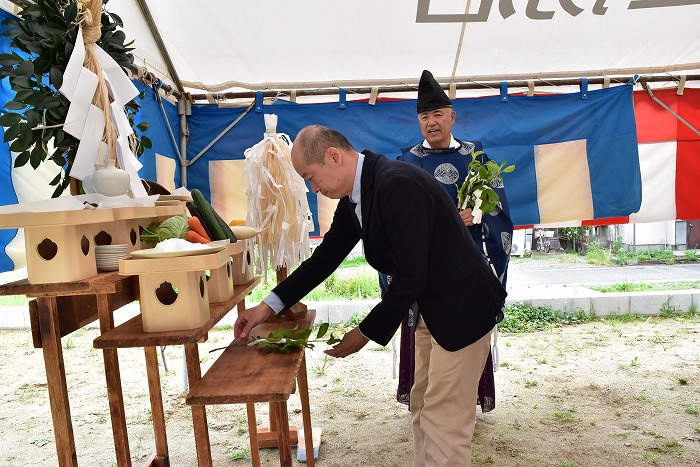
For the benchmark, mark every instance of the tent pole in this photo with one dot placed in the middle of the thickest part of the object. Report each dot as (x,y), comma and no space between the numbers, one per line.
(221,135)
(146,12)
(184,108)
(667,108)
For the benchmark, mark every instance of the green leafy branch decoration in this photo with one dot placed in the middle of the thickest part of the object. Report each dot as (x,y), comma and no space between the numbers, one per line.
(290,339)
(478,185)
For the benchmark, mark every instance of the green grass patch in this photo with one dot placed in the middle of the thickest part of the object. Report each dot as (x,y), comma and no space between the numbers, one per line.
(565,415)
(646,286)
(364,284)
(617,254)
(664,255)
(522,317)
(357,261)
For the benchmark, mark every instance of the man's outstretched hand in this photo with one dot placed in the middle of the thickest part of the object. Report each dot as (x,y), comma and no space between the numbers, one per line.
(351,342)
(248,319)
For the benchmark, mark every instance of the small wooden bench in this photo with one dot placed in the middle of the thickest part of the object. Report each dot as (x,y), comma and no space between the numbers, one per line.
(244,374)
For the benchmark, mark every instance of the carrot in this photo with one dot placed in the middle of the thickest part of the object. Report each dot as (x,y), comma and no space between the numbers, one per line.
(193,237)
(196,225)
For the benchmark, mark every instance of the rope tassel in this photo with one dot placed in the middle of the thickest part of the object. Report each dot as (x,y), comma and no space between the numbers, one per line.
(277,202)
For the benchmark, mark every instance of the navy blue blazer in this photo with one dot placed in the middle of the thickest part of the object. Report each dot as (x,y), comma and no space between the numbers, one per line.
(411,231)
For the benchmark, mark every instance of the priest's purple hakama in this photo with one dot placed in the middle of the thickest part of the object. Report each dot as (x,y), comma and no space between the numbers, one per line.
(493,236)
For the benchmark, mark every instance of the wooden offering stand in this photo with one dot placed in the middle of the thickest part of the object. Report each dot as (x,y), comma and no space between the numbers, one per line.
(68,293)
(75,294)
(132,334)
(248,375)
(243,374)
(57,309)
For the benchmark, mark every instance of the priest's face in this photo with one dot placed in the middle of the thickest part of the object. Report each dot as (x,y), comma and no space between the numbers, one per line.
(436,126)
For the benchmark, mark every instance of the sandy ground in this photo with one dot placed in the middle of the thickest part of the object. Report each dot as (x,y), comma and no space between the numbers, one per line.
(599,394)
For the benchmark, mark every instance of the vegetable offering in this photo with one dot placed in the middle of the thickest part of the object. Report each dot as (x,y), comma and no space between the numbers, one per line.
(172,227)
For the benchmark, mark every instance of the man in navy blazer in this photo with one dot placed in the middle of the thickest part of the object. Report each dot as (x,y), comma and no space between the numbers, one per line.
(410,230)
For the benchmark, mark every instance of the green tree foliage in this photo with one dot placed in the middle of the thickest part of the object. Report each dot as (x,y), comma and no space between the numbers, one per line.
(44,37)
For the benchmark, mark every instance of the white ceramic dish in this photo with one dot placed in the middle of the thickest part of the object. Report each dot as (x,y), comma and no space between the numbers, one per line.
(216,243)
(150,253)
(110,256)
(109,261)
(110,248)
(99,257)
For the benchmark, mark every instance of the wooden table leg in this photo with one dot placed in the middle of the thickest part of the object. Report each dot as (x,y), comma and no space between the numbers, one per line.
(199,412)
(114,387)
(303,385)
(272,416)
(253,434)
(56,381)
(285,447)
(157,413)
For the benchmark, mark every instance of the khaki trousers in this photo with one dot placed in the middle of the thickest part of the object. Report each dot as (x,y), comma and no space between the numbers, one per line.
(443,400)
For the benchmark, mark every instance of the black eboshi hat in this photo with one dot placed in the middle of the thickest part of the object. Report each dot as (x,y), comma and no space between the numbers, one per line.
(430,94)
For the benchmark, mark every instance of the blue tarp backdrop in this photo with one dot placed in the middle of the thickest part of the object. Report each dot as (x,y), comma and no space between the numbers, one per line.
(510,130)
(7,193)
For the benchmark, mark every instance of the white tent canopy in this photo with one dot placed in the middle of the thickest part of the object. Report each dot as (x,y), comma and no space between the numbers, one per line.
(216,46)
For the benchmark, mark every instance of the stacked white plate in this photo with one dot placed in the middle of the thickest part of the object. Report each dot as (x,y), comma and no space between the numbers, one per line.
(107,256)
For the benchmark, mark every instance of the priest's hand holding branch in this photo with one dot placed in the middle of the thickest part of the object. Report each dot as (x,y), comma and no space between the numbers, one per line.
(467,216)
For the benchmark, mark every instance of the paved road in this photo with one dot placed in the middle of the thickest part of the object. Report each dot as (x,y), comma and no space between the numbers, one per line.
(533,272)
(575,271)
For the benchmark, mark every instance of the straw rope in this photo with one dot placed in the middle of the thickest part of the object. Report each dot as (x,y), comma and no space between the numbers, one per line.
(89,17)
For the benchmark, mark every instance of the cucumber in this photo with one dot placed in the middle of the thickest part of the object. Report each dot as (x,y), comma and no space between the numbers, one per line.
(194,212)
(209,216)
(226,228)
